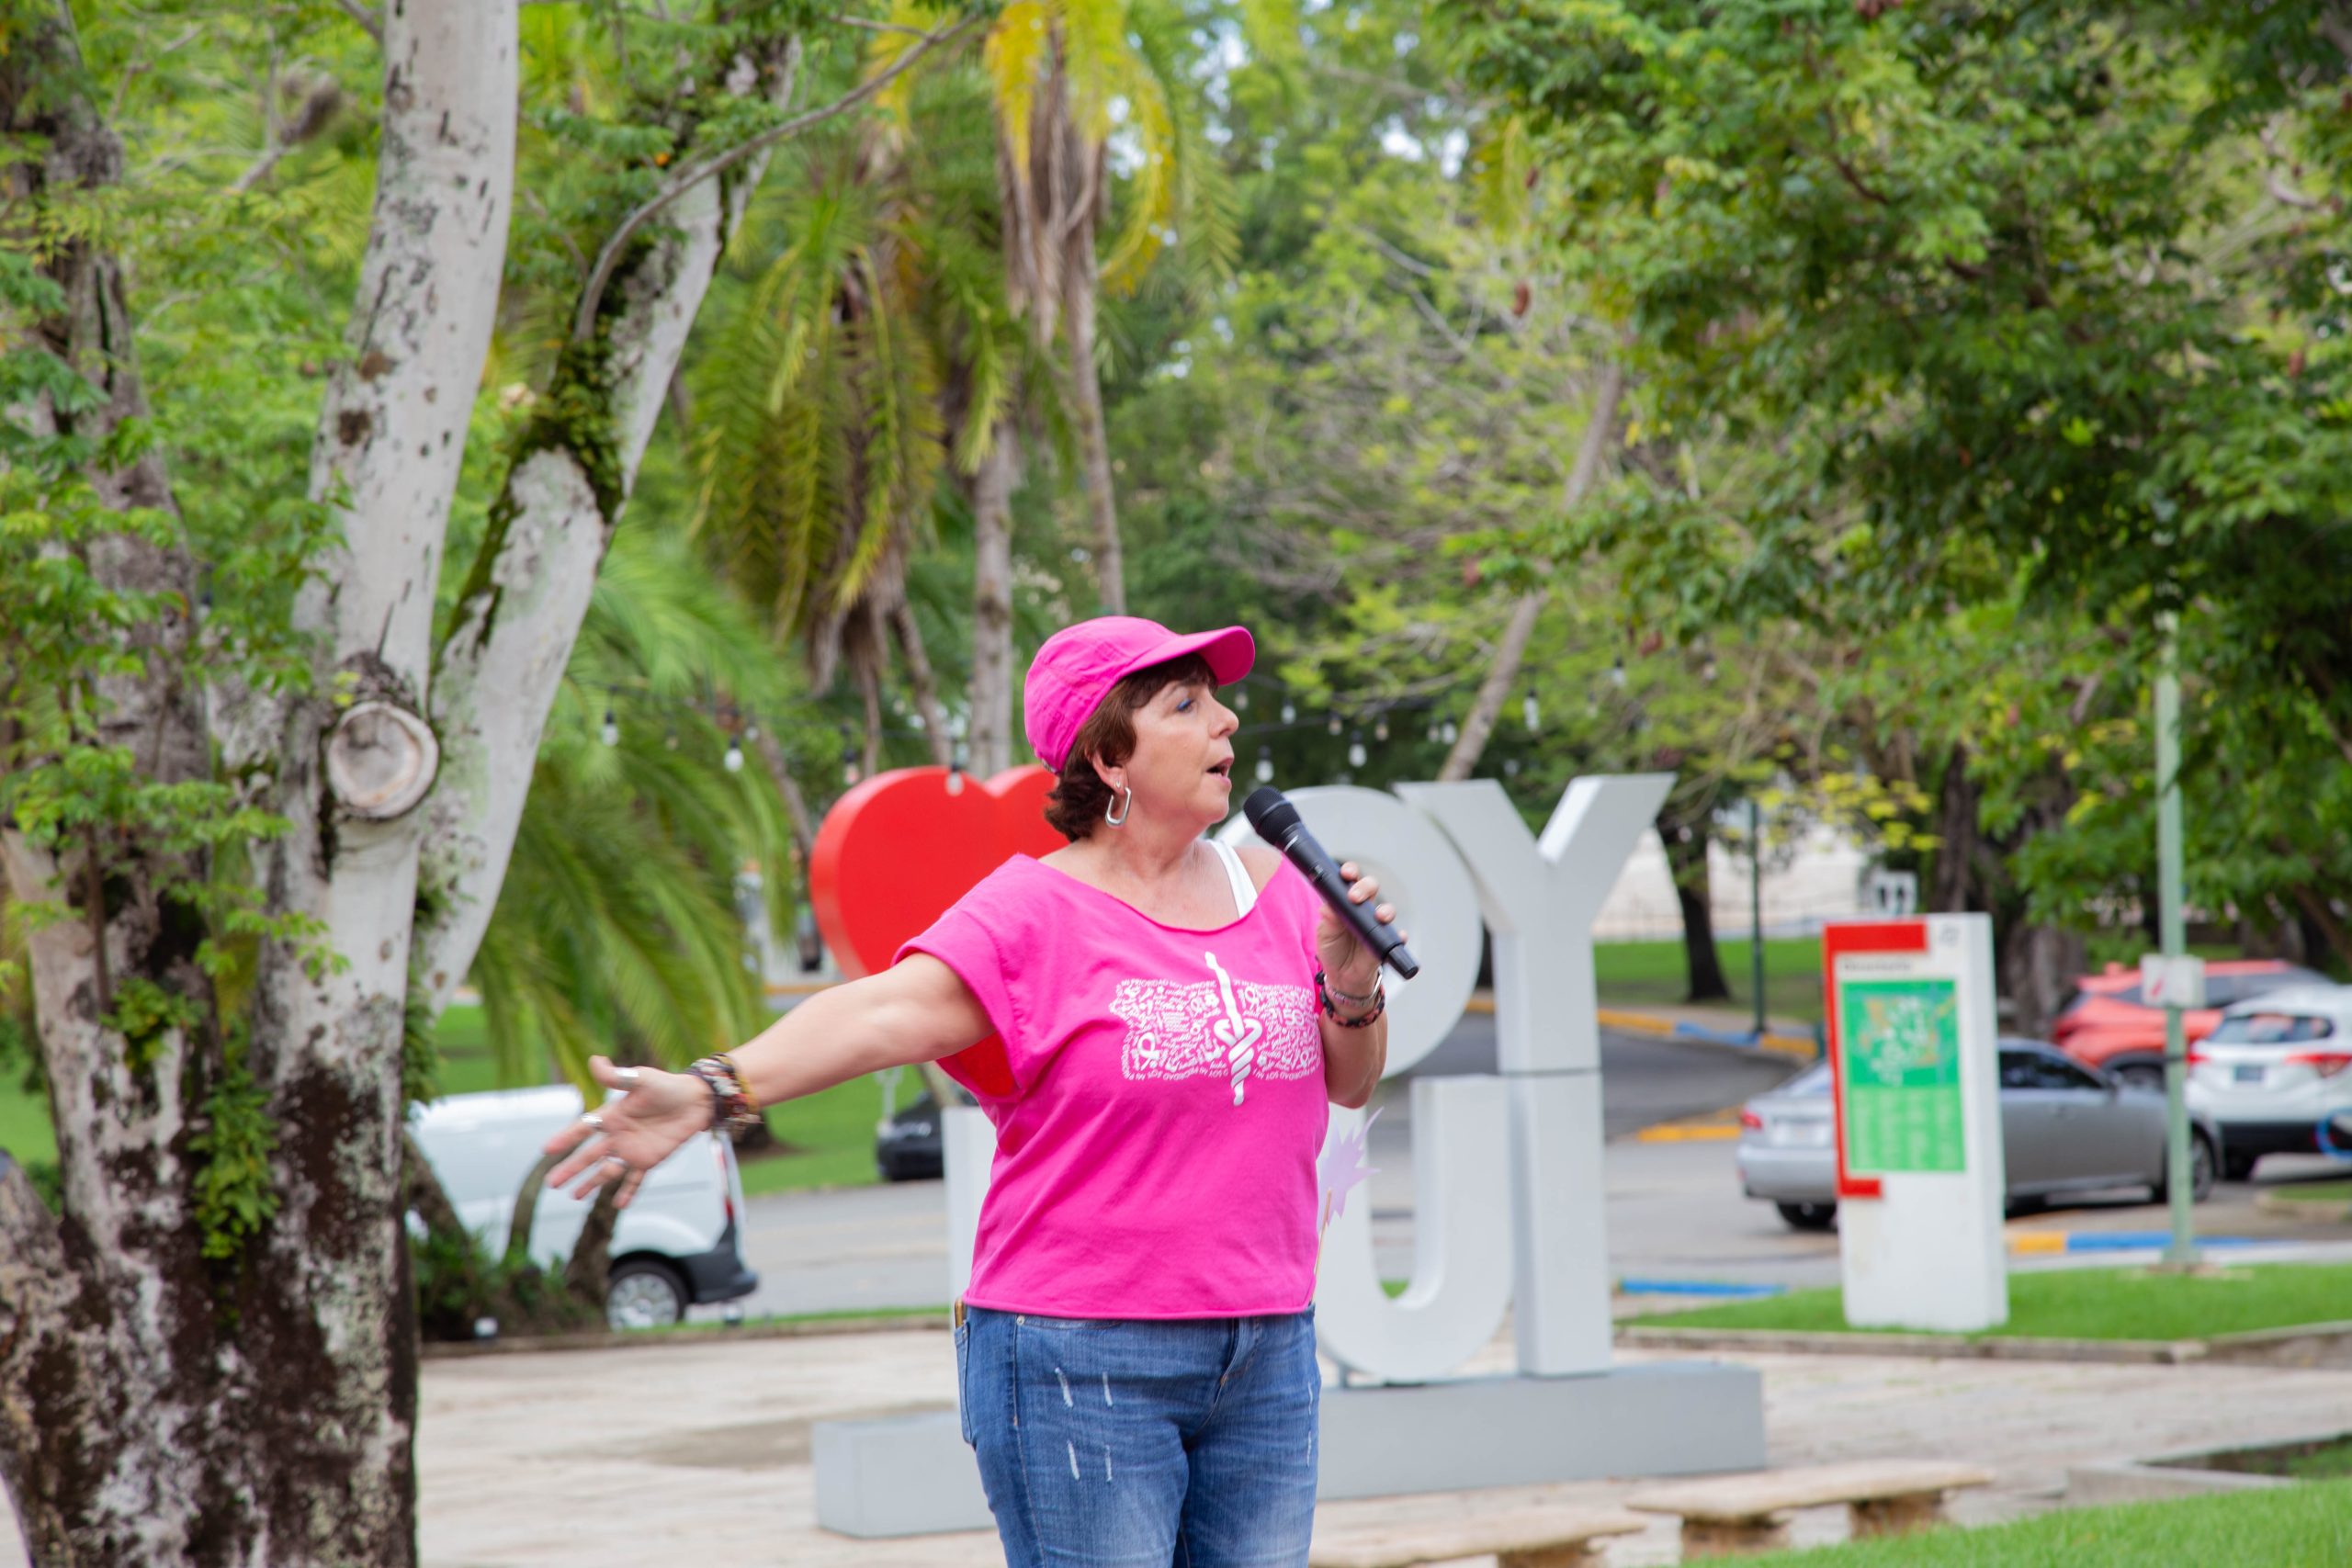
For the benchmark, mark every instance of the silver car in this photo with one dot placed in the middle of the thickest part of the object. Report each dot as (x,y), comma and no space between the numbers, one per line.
(2066,1129)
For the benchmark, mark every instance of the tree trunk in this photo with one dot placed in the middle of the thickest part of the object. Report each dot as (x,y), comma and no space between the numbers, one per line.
(1599,431)
(926,686)
(258,1405)
(510,640)
(991,726)
(1686,858)
(2039,965)
(1081,283)
(587,1273)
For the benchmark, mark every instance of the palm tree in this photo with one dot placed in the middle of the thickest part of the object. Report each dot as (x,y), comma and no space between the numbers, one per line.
(618,921)
(822,412)
(1067,78)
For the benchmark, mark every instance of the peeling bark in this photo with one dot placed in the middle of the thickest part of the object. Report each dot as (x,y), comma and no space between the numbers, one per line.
(163,1407)
(510,638)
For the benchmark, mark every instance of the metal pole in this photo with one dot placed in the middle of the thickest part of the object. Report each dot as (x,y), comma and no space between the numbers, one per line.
(2182,1250)
(1756,909)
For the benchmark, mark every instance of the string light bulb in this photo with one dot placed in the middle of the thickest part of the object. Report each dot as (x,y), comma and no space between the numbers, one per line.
(1529,711)
(1290,713)
(1355,751)
(1617,672)
(1265,766)
(670,739)
(1332,726)
(1450,733)
(733,760)
(610,732)
(1242,699)
(1380,729)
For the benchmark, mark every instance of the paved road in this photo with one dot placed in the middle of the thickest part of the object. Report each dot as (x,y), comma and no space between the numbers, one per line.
(1675,1209)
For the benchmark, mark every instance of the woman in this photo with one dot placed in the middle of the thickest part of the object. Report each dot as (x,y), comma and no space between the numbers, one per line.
(1171,1021)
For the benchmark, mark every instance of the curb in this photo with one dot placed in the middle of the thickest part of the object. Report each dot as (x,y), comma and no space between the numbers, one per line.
(2324,1210)
(2042,1243)
(700,1333)
(1746,1041)
(2295,1345)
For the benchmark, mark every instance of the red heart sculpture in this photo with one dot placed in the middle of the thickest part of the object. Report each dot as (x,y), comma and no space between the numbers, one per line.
(897,850)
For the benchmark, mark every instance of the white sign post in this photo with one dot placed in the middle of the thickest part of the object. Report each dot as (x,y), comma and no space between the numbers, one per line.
(1915,1068)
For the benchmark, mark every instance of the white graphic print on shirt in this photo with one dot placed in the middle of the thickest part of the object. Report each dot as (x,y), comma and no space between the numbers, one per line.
(1235,1029)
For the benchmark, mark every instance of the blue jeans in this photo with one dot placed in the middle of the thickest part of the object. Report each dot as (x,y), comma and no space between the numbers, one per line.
(1186,1444)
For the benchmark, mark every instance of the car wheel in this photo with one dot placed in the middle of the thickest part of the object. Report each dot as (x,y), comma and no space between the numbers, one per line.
(2139,1075)
(1808,1216)
(2203,1172)
(2237,1167)
(643,1293)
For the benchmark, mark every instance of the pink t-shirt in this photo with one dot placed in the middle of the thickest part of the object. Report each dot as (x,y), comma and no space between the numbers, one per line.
(1158,1098)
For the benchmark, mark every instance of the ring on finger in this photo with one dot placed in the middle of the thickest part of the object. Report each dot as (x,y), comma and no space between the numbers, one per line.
(628,1076)
(590,1119)
(616,1160)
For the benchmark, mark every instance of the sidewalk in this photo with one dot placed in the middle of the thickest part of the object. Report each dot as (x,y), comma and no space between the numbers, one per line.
(610,1458)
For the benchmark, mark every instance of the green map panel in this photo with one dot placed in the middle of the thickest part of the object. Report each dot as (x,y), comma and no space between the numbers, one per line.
(1899,1062)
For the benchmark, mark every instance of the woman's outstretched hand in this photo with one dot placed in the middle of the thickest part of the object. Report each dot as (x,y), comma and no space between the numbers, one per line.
(624,1138)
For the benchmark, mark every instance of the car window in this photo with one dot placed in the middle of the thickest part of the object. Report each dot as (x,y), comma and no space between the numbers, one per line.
(2058,1074)
(2271,1028)
(2016,1070)
(1815,1080)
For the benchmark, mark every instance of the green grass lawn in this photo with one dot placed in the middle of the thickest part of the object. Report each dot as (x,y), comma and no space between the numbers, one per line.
(2292,1526)
(1651,974)
(2313,1192)
(2093,1303)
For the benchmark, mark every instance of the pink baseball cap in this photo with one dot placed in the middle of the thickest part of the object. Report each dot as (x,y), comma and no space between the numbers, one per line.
(1079,665)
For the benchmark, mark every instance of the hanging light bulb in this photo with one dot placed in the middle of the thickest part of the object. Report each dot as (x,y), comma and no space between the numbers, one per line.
(1331,725)
(670,739)
(751,732)
(1265,766)
(1290,713)
(1242,699)
(1617,672)
(1437,732)
(1355,751)
(1450,733)
(1528,710)
(733,760)
(1707,672)
(1511,767)
(1380,729)
(610,732)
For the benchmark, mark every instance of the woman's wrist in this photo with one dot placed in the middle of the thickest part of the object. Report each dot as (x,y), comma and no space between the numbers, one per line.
(1350,991)
(1360,1011)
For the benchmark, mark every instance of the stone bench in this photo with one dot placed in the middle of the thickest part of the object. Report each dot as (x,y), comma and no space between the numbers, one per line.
(1731,1514)
(1518,1537)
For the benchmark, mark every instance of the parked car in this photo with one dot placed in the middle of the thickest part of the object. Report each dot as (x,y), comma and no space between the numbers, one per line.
(2106,1023)
(2064,1129)
(677,1244)
(909,1144)
(2273,1071)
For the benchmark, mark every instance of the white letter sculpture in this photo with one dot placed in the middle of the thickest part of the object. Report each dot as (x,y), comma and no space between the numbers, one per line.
(1507,1171)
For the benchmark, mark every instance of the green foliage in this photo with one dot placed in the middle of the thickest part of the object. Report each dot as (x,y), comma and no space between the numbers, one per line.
(236,1136)
(617,923)
(2022,316)
(458,1282)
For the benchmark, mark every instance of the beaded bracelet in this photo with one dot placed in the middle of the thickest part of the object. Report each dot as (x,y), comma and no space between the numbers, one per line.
(1379,1000)
(731,1105)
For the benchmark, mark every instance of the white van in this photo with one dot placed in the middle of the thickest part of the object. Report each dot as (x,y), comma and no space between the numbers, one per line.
(677,1244)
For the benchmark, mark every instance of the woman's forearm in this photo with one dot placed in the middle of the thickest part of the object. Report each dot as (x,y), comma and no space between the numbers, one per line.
(891,1019)
(1353,1060)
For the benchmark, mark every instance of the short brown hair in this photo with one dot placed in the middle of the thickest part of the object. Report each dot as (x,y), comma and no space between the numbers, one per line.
(1079,796)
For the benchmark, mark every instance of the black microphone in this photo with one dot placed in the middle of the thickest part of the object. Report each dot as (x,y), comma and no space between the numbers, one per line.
(1277,820)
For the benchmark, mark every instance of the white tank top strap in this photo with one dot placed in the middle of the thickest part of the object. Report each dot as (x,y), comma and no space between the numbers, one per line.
(1245,891)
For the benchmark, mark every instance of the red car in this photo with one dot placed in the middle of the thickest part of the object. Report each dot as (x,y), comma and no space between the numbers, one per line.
(2104,1023)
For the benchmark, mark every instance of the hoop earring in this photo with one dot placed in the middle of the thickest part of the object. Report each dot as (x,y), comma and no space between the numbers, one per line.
(1119,818)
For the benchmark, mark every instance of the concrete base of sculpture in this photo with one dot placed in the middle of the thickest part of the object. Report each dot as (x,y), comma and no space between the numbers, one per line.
(914,1475)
